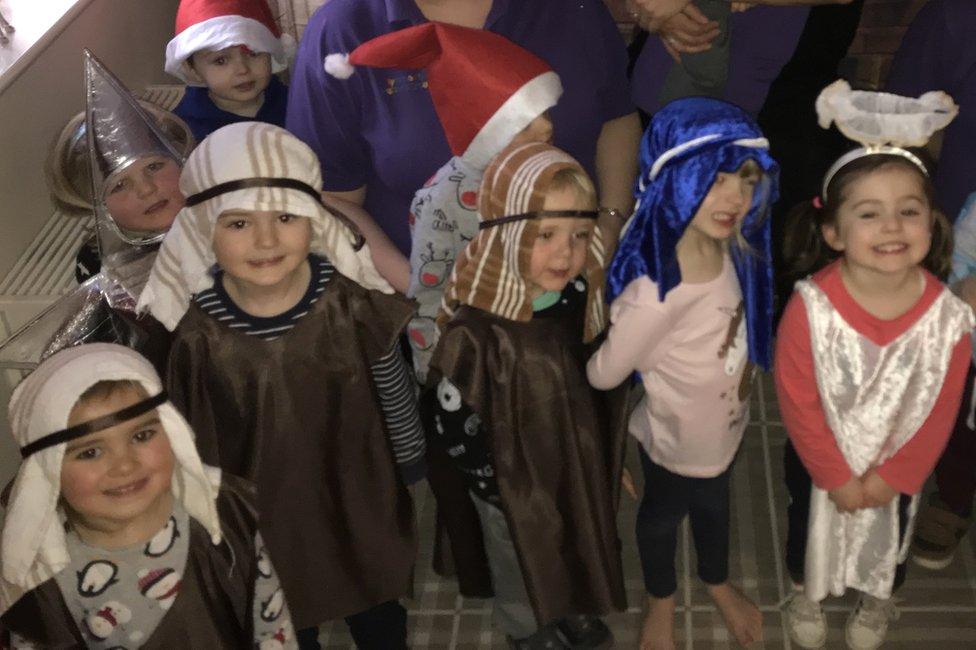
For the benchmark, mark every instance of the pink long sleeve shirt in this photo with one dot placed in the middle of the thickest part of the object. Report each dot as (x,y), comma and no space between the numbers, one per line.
(690,351)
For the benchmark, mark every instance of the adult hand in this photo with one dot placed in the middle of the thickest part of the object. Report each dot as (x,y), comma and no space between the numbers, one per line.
(688,32)
(651,14)
(876,490)
(848,497)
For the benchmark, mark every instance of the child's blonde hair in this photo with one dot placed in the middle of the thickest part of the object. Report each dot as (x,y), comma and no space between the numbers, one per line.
(68,165)
(573,178)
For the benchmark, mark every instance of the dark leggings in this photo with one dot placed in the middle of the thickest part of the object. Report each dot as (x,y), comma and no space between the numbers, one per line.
(955,474)
(799,485)
(668,497)
(383,627)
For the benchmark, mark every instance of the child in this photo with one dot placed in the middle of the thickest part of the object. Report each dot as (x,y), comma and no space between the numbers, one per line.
(505,103)
(537,449)
(286,361)
(691,313)
(120,160)
(944,522)
(227,53)
(116,535)
(871,356)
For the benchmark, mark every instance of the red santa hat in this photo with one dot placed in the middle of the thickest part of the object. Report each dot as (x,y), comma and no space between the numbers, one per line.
(216,24)
(485,88)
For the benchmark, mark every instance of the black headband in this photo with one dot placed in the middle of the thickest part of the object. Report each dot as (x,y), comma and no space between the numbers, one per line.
(540,214)
(98,424)
(248,183)
(284,183)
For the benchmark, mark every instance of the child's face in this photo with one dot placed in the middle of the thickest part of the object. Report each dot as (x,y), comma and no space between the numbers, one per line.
(538,130)
(117,478)
(145,196)
(560,247)
(884,222)
(726,204)
(262,248)
(236,76)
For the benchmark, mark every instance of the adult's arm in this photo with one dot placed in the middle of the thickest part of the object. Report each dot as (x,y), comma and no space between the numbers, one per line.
(387,258)
(616,171)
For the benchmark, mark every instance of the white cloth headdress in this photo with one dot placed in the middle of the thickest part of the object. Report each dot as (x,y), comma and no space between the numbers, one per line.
(882,123)
(32,541)
(247,166)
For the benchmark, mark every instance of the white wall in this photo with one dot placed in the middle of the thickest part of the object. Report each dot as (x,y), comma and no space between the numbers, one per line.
(130,36)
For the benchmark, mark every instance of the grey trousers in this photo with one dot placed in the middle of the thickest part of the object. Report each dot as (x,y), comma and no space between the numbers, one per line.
(705,73)
(512,612)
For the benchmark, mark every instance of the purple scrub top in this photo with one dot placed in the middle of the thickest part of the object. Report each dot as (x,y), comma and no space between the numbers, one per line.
(939,53)
(763,40)
(379,129)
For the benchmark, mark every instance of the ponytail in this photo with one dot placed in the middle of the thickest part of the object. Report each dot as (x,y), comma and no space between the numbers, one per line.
(804,248)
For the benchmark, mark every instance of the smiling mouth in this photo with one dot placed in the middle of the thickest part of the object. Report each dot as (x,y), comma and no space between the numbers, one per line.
(157,206)
(890,249)
(260,264)
(127,489)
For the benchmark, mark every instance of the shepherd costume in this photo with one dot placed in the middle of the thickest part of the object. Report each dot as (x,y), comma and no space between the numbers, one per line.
(480,114)
(556,444)
(298,414)
(206,600)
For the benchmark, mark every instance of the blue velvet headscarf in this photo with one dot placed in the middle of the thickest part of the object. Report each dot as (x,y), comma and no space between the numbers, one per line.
(687,144)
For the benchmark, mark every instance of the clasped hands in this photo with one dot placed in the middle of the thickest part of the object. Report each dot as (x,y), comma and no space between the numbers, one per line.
(868,491)
(683,28)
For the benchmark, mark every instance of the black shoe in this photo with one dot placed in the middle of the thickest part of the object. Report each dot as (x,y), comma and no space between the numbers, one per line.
(547,638)
(585,632)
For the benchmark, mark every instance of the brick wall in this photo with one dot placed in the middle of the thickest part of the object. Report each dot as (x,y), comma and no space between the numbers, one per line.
(883,23)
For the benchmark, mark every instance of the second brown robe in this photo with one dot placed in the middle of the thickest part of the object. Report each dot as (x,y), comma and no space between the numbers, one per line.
(298,416)
(558,449)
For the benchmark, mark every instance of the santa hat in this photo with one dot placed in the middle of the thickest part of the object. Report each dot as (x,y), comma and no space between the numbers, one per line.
(485,88)
(216,24)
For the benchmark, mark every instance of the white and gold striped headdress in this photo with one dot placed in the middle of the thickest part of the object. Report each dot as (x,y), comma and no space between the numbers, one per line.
(247,166)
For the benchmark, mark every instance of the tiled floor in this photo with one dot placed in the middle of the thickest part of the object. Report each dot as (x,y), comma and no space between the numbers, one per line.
(938,610)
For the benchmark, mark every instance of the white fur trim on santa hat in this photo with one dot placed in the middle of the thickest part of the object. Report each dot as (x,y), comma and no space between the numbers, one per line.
(225,31)
(338,66)
(527,103)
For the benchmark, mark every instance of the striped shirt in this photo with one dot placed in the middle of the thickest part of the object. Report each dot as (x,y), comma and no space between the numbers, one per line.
(394,387)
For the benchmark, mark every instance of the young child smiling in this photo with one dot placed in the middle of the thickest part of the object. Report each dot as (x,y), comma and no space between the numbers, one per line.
(116,534)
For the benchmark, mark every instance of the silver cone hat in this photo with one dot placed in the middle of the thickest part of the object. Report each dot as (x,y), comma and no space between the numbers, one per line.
(119,132)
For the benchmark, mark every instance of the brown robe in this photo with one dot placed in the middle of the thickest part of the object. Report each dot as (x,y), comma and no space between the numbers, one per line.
(213,608)
(558,449)
(299,417)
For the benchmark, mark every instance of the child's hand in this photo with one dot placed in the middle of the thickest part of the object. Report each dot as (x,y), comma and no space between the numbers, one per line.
(627,480)
(742,6)
(848,497)
(877,492)
(651,14)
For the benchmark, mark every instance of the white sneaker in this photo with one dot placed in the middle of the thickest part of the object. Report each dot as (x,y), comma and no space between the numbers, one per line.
(868,623)
(805,621)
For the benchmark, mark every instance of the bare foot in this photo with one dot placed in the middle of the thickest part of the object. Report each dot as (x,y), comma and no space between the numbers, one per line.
(741,615)
(658,630)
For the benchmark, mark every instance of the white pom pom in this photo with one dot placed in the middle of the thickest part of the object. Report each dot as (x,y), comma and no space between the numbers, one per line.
(338,66)
(289,45)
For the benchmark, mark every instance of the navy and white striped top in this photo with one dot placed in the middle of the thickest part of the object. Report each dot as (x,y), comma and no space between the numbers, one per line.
(394,387)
